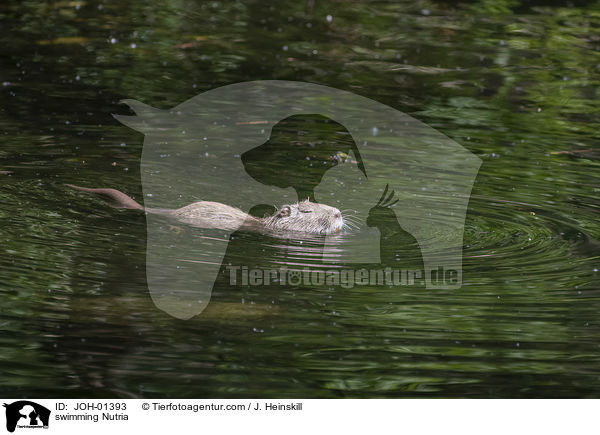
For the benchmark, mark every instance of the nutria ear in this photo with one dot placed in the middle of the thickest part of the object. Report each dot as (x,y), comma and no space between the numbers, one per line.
(285,211)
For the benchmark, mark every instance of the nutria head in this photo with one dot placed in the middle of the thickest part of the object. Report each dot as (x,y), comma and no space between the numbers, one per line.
(307,217)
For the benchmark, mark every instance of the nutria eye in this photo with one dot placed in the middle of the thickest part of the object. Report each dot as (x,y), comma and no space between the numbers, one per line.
(285,211)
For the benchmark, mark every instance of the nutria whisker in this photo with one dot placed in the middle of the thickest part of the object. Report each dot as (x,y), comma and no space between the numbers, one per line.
(351,213)
(351,224)
(353,220)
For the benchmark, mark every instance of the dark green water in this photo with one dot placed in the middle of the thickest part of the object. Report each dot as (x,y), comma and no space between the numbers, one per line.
(514,82)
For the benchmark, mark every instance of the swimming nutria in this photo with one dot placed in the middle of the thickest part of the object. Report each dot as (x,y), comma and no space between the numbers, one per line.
(306,217)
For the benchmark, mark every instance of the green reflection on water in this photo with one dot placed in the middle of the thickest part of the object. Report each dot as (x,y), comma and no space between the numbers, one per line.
(514,82)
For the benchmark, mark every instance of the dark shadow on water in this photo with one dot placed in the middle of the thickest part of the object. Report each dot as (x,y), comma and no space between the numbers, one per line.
(299,152)
(398,248)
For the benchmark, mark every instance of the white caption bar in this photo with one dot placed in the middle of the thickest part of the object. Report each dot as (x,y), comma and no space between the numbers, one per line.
(248,416)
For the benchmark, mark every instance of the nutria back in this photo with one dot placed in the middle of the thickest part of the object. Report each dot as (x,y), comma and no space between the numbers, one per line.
(209,214)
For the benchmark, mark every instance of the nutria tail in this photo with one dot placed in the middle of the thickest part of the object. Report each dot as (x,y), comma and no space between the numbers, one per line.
(112,196)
